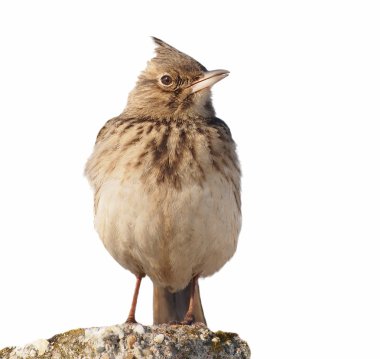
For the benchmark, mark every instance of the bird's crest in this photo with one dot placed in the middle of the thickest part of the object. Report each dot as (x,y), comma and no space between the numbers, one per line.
(164,48)
(166,53)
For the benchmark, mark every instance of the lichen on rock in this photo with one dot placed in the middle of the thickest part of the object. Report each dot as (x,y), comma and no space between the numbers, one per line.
(134,341)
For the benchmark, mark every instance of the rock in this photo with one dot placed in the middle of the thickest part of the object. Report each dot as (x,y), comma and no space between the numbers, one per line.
(125,342)
(139,329)
(159,338)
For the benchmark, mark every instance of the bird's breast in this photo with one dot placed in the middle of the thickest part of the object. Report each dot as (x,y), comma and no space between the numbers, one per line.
(167,199)
(162,152)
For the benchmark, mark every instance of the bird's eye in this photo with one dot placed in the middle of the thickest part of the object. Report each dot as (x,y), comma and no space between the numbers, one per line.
(166,80)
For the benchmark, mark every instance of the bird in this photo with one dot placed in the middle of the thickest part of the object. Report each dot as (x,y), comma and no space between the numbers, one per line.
(166,180)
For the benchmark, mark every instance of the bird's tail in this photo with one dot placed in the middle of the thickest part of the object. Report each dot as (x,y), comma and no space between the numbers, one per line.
(172,307)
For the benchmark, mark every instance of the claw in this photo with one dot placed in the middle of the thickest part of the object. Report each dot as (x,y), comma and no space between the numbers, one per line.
(131,320)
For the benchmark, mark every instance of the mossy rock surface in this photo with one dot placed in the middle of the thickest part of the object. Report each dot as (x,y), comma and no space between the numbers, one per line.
(134,341)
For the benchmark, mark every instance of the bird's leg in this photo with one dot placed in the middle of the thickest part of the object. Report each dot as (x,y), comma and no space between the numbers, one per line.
(189,316)
(132,311)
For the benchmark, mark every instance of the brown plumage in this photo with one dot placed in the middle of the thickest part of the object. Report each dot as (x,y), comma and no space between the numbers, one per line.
(166,179)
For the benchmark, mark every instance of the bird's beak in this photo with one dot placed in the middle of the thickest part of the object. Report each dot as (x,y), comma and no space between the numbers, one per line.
(208,79)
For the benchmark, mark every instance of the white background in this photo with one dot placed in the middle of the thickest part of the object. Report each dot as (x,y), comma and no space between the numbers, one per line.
(302,102)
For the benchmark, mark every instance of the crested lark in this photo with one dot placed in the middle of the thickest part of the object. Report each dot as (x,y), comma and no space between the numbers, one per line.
(166,179)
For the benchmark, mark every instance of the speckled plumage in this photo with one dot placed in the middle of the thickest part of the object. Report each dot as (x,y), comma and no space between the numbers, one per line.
(166,178)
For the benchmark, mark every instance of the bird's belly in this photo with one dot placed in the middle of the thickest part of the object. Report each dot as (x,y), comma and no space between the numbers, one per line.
(169,234)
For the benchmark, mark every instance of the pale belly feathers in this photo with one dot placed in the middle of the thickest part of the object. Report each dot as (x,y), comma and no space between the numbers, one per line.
(169,234)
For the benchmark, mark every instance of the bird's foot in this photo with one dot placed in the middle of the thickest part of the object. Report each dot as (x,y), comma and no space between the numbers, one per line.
(188,320)
(174,322)
(131,320)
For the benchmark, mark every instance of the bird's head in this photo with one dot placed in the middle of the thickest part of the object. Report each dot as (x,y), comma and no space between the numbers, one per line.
(173,85)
